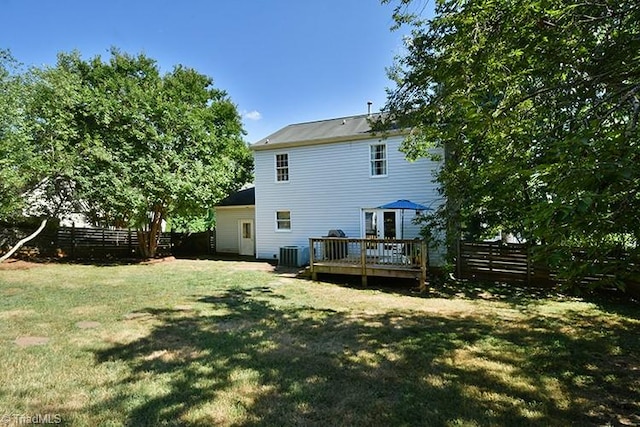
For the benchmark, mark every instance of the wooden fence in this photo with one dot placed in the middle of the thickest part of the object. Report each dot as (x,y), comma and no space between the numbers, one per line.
(101,243)
(500,262)
(513,263)
(193,244)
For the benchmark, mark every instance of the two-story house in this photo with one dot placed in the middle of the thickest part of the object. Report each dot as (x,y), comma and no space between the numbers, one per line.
(335,174)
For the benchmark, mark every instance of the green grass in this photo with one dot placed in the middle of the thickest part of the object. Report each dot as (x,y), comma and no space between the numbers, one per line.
(217,343)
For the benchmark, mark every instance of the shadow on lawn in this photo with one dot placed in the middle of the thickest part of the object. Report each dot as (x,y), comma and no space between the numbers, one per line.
(254,360)
(441,286)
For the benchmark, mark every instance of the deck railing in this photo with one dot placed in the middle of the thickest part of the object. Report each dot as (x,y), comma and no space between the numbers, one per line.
(369,256)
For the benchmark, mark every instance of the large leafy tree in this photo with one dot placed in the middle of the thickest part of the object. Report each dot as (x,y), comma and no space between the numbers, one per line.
(537,103)
(37,141)
(151,146)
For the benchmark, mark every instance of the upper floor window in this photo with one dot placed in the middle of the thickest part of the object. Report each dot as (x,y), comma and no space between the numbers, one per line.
(282,167)
(378,159)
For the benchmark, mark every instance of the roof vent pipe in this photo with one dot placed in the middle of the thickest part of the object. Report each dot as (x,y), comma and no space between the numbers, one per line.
(369,103)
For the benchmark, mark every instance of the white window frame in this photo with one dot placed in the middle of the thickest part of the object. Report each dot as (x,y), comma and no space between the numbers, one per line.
(279,221)
(279,168)
(372,161)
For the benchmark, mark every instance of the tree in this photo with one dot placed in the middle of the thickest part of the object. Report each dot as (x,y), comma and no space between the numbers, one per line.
(37,141)
(537,103)
(13,173)
(152,146)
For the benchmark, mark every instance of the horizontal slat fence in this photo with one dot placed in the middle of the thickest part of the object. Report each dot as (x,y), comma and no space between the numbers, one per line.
(500,262)
(102,243)
(98,243)
(513,263)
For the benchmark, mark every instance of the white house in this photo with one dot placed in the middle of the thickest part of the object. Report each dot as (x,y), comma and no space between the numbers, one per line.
(314,177)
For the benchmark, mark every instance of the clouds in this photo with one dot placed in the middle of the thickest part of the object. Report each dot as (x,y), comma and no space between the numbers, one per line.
(252,115)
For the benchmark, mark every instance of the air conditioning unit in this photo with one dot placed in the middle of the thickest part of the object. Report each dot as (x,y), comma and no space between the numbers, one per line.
(294,256)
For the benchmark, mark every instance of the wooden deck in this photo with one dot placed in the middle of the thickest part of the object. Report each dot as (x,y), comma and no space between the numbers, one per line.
(369,257)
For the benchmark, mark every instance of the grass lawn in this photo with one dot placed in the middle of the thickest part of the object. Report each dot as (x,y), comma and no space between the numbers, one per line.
(204,343)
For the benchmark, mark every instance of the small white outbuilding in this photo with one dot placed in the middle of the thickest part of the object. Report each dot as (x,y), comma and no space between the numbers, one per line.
(235,223)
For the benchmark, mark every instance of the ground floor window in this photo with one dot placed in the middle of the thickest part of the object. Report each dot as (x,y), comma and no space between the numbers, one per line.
(283,220)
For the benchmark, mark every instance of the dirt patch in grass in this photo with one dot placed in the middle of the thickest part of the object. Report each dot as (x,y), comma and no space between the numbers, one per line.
(28,341)
(251,266)
(137,315)
(15,314)
(18,264)
(158,260)
(87,324)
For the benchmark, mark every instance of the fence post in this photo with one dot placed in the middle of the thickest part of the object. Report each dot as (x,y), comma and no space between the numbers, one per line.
(129,243)
(528,264)
(491,257)
(55,241)
(458,260)
(73,240)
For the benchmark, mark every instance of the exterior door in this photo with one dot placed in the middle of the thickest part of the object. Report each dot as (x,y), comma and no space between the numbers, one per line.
(383,224)
(247,241)
(380,224)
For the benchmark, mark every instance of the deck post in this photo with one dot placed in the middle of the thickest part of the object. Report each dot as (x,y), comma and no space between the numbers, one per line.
(423,265)
(314,275)
(363,261)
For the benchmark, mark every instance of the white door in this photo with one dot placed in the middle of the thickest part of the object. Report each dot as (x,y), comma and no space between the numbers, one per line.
(247,237)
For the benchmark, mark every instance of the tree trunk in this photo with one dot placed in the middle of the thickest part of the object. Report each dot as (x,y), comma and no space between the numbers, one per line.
(23,241)
(148,239)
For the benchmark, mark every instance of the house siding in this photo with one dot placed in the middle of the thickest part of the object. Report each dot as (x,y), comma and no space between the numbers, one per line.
(329,185)
(227,232)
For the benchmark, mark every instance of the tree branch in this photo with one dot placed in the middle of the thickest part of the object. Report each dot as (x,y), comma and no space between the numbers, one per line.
(23,241)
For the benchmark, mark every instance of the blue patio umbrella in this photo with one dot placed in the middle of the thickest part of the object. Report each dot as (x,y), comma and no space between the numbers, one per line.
(404,205)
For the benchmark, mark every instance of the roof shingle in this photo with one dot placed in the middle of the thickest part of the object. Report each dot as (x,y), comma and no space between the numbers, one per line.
(339,129)
(240,198)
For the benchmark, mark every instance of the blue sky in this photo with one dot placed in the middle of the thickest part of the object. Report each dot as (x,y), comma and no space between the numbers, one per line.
(281,61)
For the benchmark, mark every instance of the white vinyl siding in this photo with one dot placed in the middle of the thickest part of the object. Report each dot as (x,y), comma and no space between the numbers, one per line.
(332,193)
(227,219)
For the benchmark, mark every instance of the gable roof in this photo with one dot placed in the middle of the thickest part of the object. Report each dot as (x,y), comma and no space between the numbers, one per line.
(240,198)
(320,132)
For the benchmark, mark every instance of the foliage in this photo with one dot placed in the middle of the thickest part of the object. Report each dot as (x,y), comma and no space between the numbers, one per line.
(13,150)
(55,139)
(150,146)
(119,140)
(35,160)
(537,105)
(193,224)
